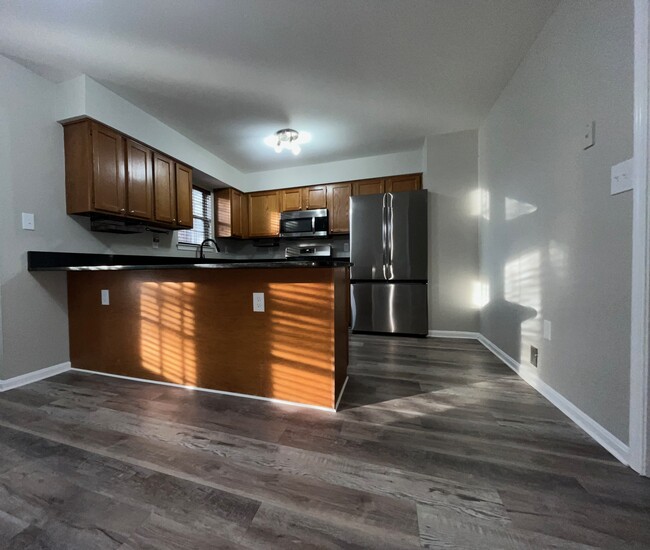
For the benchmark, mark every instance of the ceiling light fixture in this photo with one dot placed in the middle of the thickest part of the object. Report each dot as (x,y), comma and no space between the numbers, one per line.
(289,139)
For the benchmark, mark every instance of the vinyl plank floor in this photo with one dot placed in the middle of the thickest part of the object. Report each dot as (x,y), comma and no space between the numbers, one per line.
(437,444)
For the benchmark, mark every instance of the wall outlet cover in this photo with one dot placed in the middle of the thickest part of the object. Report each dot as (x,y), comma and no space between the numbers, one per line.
(106,299)
(589,135)
(622,177)
(28,221)
(258,302)
(534,356)
(547,330)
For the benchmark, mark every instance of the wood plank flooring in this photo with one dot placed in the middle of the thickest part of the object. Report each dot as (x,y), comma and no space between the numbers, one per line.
(437,444)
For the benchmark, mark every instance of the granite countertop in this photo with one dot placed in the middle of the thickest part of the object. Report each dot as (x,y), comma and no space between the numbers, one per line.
(75,261)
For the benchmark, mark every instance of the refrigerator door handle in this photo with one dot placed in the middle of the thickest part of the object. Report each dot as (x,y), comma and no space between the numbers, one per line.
(390,235)
(384,236)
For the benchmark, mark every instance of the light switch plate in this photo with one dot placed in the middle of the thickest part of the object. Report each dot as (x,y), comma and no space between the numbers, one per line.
(622,177)
(589,134)
(105,297)
(28,221)
(258,301)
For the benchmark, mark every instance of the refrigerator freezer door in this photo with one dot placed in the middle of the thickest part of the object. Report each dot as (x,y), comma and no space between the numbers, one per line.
(407,236)
(390,308)
(367,231)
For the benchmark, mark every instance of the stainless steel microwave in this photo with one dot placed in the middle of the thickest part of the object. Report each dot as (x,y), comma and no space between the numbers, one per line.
(304,223)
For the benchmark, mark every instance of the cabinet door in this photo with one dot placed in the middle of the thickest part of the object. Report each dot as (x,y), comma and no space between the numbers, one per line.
(264,214)
(410,182)
(368,187)
(291,199)
(228,213)
(139,180)
(108,170)
(164,189)
(338,204)
(314,197)
(236,207)
(184,216)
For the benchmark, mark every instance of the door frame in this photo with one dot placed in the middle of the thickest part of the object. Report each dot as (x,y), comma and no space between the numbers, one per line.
(639,454)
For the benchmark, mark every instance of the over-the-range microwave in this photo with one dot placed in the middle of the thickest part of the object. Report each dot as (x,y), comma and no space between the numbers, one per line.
(304,223)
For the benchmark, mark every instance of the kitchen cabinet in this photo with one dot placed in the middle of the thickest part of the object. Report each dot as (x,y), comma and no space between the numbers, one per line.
(368,187)
(164,185)
(291,199)
(109,175)
(139,180)
(229,213)
(409,182)
(264,214)
(94,169)
(184,217)
(314,197)
(338,205)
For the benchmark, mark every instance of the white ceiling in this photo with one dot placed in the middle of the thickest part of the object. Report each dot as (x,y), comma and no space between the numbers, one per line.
(364,77)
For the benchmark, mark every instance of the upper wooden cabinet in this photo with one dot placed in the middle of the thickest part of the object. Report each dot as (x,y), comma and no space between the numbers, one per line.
(184,217)
(338,205)
(410,182)
(164,185)
(230,207)
(314,197)
(94,169)
(139,180)
(291,199)
(264,214)
(368,187)
(113,175)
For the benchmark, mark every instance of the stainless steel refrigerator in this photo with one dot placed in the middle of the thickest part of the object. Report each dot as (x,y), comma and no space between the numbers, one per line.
(389,253)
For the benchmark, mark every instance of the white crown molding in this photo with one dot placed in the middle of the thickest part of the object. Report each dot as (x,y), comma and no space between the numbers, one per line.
(35,376)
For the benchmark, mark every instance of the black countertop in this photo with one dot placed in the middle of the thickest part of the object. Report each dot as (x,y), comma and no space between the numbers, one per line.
(75,261)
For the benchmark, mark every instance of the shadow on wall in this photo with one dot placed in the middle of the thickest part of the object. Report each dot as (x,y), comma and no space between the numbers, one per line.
(512,299)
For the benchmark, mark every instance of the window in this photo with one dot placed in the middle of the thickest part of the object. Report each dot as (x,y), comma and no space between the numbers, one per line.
(202,217)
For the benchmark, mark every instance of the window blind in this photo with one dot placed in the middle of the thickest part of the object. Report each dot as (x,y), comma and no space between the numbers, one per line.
(202,218)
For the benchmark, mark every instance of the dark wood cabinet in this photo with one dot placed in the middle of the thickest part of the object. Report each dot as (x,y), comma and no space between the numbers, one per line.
(264,214)
(164,186)
(184,217)
(409,182)
(291,199)
(368,187)
(229,213)
(338,205)
(139,180)
(110,175)
(314,197)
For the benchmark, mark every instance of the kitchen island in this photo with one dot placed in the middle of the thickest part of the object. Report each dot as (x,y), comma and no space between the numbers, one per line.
(191,322)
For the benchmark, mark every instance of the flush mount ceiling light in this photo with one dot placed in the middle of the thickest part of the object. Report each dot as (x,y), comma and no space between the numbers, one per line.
(288,139)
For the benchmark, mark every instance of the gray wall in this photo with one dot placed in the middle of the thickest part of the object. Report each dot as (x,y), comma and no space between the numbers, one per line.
(33,309)
(554,244)
(451,176)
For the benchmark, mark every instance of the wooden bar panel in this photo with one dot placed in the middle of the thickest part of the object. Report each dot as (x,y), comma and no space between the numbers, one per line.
(198,328)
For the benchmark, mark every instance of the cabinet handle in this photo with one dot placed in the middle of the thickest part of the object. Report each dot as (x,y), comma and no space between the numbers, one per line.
(122,210)
(132,211)
(173,219)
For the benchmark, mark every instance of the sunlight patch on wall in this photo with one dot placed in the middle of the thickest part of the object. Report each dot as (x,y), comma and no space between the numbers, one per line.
(515,209)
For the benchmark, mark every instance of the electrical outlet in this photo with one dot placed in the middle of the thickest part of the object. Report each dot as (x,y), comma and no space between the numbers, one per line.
(346,247)
(547,330)
(258,301)
(156,241)
(106,299)
(622,177)
(28,221)
(534,355)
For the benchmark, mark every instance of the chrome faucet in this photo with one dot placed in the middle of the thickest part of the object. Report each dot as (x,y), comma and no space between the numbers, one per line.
(201,253)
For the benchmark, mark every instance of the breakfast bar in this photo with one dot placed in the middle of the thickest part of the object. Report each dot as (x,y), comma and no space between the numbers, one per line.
(192,322)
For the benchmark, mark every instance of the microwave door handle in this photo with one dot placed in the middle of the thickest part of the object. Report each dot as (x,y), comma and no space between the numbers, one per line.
(313,224)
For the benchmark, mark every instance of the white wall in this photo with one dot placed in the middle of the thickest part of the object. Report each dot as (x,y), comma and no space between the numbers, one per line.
(451,176)
(554,244)
(33,310)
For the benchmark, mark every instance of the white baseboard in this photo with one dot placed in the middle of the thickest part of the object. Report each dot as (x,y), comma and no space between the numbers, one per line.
(453,334)
(610,442)
(221,392)
(35,376)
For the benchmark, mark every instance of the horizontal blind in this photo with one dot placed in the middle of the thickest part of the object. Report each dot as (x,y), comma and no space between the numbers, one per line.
(202,218)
